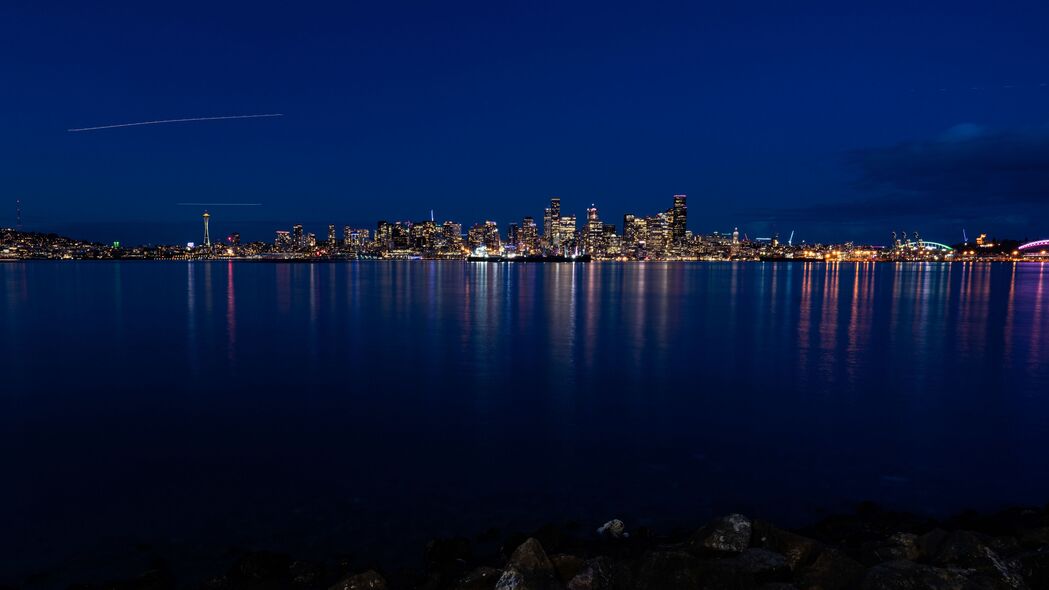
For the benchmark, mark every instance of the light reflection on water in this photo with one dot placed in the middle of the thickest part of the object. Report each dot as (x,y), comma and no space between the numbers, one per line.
(383,403)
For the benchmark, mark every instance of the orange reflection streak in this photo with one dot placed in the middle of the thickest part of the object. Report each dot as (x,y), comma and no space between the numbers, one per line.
(859,318)
(828,326)
(805,316)
(591,312)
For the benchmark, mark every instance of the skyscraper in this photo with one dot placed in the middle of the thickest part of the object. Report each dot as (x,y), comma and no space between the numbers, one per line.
(296,236)
(513,236)
(552,224)
(567,242)
(331,235)
(529,236)
(679,219)
(593,232)
(491,237)
(207,236)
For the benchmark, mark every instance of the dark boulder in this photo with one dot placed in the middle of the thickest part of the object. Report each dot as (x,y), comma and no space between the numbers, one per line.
(747,571)
(1034,567)
(369,580)
(897,546)
(596,574)
(668,570)
(482,578)
(729,534)
(972,552)
(907,575)
(797,550)
(566,566)
(306,574)
(528,569)
(763,565)
(832,570)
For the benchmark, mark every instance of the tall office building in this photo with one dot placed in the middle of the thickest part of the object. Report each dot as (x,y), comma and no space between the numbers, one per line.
(452,236)
(630,237)
(679,220)
(331,235)
(475,237)
(552,224)
(296,236)
(513,236)
(657,235)
(529,236)
(384,234)
(207,236)
(568,240)
(593,232)
(491,237)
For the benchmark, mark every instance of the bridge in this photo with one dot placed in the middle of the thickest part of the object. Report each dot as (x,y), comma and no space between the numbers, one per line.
(926,245)
(1035,248)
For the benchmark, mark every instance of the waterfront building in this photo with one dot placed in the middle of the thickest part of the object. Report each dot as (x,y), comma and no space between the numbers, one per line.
(282,243)
(423,236)
(452,238)
(475,237)
(491,237)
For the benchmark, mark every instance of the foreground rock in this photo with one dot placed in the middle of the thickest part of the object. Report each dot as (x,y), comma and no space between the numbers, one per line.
(870,550)
(529,569)
(730,534)
(369,580)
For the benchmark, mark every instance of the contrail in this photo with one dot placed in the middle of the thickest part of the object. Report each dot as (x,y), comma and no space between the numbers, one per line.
(219,204)
(162,121)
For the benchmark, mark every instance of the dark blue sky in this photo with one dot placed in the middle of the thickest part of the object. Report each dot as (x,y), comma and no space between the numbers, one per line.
(837,120)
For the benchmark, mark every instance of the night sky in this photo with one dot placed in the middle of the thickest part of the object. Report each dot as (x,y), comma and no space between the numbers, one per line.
(835,120)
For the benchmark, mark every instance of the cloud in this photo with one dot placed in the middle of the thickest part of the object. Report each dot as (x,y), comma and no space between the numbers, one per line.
(968,173)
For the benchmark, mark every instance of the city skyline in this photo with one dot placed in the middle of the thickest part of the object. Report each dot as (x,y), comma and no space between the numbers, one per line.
(557,236)
(262,230)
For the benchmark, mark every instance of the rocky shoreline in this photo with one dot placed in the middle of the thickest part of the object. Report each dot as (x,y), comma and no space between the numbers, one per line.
(871,549)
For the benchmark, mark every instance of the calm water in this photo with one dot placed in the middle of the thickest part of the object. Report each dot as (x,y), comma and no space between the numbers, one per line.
(352,405)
